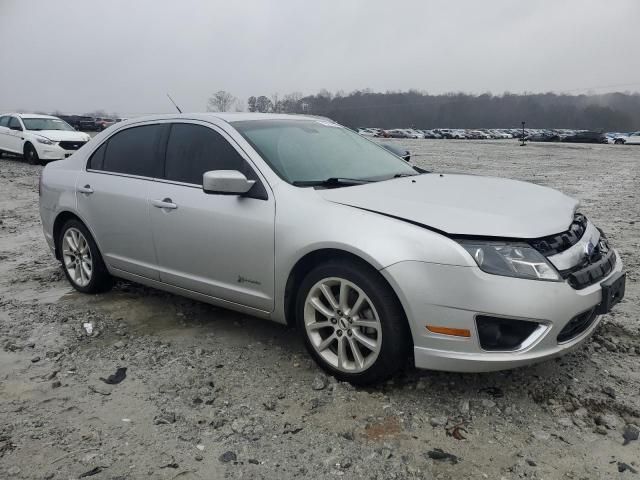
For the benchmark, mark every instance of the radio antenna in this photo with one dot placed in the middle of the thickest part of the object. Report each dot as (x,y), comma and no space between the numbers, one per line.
(174,103)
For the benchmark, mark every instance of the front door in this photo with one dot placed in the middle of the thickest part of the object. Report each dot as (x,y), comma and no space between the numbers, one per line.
(218,245)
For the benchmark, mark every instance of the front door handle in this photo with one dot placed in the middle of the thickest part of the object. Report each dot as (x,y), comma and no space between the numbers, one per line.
(86,189)
(164,203)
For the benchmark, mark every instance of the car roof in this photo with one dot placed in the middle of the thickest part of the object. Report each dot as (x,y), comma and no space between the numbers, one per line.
(27,115)
(34,115)
(224,116)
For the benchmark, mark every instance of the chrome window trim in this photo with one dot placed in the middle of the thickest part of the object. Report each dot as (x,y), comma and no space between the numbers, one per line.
(216,128)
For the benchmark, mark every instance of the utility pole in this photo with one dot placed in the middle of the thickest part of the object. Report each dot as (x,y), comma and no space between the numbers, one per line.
(523,135)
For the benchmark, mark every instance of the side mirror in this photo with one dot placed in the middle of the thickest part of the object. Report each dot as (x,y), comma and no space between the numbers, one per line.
(400,152)
(17,128)
(226,182)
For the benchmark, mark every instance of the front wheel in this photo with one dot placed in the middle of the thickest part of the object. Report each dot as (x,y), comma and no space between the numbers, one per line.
(31,155)
(81,260)
(352,323)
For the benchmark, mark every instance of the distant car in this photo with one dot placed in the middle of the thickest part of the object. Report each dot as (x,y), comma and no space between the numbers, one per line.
(411,133)
(366,132)
(544,137)
(586,137)
(396,134)
(39,138)
(632,139)
(102,123)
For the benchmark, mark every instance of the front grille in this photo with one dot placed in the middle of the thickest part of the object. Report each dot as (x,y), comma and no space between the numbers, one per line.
(71,145)
(577,325)
(560,242)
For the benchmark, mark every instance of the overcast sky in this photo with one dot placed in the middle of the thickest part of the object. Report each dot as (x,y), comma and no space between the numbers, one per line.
(125,55)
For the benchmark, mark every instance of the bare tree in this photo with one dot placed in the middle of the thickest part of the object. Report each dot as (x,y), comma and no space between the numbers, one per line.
(220,101)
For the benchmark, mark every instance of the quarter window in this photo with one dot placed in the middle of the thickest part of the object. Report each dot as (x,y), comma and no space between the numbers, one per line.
(135,151)
(194,149)
(96,162)
(4,121)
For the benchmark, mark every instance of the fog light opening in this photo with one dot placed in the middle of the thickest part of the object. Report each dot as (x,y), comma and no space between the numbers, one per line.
(502,334)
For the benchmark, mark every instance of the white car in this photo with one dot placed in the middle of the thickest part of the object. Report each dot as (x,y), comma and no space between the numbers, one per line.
(367,132)
(411,133)
(39,138)
(632,139)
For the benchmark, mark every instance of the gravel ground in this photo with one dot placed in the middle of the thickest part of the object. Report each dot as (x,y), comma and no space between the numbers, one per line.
(214,394)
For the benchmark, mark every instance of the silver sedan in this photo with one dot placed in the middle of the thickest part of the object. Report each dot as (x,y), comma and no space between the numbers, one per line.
(302,221)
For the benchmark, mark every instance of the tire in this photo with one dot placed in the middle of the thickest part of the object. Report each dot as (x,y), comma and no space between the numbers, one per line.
(31,155)
(378,329)
(98,279)
(618,142)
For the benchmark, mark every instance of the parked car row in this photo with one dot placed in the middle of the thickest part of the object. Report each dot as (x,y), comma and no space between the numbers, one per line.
(85,123)
(530,134)
(451,133)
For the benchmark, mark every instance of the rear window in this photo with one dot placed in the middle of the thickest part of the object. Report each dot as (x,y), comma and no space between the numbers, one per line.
(135,151)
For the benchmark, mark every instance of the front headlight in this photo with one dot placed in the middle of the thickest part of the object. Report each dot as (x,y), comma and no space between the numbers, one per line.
(510,259)
(46,141)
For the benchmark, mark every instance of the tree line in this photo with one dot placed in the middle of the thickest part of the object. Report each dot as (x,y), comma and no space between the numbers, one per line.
(365,108)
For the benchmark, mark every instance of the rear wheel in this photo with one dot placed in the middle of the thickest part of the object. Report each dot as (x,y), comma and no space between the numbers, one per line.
(31,155)
(81,260)
(352,323)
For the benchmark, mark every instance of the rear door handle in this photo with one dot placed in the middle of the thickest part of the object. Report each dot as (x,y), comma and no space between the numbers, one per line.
(164,203)
(86,189)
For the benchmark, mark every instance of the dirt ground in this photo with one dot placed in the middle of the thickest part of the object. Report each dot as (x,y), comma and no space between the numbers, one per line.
(213,394)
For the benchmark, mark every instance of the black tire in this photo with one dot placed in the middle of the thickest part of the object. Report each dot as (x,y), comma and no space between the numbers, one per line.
(31,155)
(618,142)
(101,280)
(396,337)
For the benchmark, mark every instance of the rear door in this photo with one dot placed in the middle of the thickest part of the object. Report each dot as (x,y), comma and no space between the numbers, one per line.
(219,245)
(4,133)
(14,135)
(112,197)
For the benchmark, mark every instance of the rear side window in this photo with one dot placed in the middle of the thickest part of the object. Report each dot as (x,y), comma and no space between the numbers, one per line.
(4,121)
(96,162)
(194,149)
(135,151)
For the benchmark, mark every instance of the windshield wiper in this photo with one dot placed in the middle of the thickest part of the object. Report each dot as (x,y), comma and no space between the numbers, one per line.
(331,182)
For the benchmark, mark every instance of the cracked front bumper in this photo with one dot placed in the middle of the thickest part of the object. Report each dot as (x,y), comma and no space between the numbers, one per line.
(452,296)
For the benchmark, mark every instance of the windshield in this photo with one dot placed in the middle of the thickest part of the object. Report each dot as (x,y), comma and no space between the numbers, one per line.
(304,151)
(46,124)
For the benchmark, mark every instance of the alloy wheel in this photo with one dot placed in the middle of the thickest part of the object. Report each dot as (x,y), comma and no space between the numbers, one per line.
(76,256)
(342,325)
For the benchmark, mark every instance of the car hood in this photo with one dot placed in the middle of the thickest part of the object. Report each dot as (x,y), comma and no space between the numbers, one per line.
(62,135)
(464,204)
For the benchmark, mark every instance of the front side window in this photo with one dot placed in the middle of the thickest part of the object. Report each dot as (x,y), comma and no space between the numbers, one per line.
(15,123)
(194,149)
(136,151)
(307,151)
(38,124)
